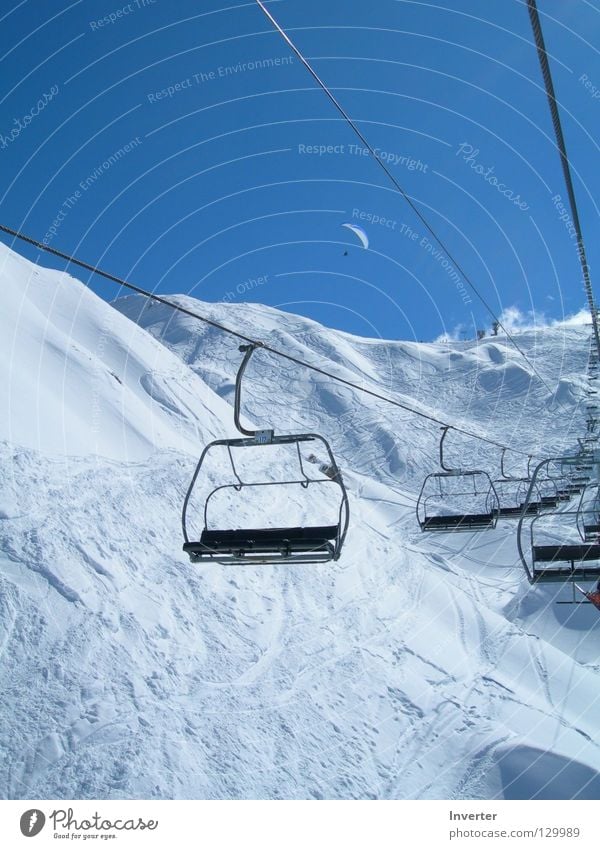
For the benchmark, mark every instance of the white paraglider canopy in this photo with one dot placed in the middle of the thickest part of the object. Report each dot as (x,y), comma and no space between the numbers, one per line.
(358,231)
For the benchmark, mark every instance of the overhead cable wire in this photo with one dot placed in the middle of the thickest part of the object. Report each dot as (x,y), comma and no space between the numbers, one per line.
(564,160)
(358,132)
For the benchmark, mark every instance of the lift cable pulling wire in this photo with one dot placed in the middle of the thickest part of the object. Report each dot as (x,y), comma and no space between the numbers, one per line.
(397,185)
(564,159)
(174,306)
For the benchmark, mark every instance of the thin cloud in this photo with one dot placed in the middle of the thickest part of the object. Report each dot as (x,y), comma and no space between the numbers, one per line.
(516,321)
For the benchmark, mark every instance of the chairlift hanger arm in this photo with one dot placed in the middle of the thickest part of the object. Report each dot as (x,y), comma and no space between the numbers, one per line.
(446,468)
(503,474)
(529,459)
(261,436)
(505,477)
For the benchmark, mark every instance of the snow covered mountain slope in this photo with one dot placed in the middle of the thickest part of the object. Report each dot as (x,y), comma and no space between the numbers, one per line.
(486,386)
(415,667)
(78,378)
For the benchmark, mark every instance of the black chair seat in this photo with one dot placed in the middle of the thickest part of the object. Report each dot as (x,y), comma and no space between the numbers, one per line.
(472,520)
(264,540)
(530,510)
(577,552)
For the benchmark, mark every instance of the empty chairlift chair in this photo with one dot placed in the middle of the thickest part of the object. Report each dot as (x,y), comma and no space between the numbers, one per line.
(263,543)
(552,487)
(588,514)
(457,499)
(550,544)
(568,477)
(512,492)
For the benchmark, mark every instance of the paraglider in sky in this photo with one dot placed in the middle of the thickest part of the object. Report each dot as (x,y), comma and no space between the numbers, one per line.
(358,231)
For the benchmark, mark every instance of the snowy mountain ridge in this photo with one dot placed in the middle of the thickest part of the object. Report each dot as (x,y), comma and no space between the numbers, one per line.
(415,667)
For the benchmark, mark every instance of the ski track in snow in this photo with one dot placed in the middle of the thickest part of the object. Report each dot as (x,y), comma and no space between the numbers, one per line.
(418,666)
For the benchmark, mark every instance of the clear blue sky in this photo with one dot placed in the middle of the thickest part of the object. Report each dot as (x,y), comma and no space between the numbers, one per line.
(211,185)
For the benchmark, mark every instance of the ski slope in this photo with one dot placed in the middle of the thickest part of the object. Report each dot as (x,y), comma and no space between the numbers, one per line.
(418,666)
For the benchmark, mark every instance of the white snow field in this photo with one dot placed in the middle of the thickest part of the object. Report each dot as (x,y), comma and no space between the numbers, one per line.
(417,666)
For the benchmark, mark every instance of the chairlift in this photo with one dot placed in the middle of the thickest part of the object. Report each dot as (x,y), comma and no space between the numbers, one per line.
(311,543)
(512,495)
(588,514)
(457,499)
(514,489)
(569,476)
(587,446)
(553,549)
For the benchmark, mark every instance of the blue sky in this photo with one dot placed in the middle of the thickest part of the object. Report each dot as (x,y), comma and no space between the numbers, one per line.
(178,144)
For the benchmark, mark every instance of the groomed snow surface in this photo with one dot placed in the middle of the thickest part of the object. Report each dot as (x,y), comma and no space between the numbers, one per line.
(418,666)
